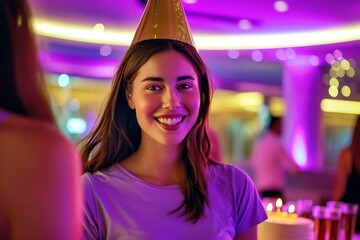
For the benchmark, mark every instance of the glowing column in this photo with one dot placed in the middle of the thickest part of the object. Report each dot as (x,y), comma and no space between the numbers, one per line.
(303,131)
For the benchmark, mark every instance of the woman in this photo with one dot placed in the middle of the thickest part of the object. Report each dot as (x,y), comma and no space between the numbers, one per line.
(347,183)
(149,174)
(40,187)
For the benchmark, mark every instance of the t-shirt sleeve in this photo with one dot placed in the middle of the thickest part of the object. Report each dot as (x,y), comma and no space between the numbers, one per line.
(90,229)
(249,209)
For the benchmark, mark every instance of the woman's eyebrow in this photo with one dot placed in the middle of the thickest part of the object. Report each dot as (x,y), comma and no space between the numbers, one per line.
(187,77)
(159,79)
(156,79)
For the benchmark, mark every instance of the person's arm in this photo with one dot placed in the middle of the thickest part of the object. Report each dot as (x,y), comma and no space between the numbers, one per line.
(250,234)
(341,175)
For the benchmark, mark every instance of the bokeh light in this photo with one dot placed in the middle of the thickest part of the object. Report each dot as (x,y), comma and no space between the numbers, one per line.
(334,82)
(280,54)
(105,50)
(345,64)
(76,125)
(333,91)
(99,27)
(244,24)
(281,6)
(329,58)
(63,80)
(346,91)
(350,72)
(314,60)
(233,54)
(338,54)
(257,56)
(290,53)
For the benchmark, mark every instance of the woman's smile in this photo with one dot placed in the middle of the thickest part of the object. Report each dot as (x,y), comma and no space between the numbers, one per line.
(170,122)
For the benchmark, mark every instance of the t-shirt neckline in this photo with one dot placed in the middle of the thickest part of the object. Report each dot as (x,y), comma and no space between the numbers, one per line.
(130,175)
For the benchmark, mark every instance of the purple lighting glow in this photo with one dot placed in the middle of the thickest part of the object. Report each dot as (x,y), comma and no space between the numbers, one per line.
(93,68)
(302,120)
(299,148)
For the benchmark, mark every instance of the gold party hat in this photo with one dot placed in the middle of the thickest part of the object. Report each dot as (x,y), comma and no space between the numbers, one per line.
(163,19)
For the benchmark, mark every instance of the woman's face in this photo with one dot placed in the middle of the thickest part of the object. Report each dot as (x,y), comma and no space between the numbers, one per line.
(166,97)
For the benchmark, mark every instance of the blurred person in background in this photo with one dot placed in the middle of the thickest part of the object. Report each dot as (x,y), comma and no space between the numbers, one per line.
(40,185)
(270,161)
(347,182)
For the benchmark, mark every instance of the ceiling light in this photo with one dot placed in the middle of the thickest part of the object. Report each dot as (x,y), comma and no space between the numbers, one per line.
(242,41)
(340,106)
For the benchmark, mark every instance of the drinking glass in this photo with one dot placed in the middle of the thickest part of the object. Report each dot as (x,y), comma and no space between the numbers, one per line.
(335,204)
(333,219)
(349,213)
(319,215)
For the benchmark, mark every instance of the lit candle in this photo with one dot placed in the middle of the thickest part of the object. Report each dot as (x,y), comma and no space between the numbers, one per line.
(278,204)
(291,211)
(269,209)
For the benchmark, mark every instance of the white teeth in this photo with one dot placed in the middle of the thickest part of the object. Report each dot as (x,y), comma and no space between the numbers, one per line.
(170,121)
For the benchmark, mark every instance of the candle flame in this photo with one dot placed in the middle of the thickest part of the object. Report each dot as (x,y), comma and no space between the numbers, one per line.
(269,207)
(291,208)
(278,203)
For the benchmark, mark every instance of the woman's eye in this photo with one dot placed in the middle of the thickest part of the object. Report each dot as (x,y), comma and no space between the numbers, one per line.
(185,86)
(153,88)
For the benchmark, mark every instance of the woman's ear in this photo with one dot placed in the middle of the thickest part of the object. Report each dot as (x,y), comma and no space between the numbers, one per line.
(130,100)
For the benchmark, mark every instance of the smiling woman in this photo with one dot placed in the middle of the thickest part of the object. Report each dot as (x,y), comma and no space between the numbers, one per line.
(149,172)
(148,160)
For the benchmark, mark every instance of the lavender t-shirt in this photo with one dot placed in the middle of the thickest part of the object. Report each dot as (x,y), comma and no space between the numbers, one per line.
(118,205)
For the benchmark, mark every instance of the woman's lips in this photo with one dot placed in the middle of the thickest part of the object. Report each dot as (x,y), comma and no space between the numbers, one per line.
(170,123)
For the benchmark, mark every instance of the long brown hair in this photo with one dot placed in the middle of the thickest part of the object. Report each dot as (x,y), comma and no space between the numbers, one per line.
(117,134)
(355,145)
(22,88)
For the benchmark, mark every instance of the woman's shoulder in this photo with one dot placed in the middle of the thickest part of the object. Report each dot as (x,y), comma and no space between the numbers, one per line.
(227,170)
(25,139)
(16,126)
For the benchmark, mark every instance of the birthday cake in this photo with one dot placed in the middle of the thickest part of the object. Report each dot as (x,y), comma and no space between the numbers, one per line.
(275,228)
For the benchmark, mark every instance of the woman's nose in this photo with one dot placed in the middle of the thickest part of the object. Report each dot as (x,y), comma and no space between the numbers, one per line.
(170,100)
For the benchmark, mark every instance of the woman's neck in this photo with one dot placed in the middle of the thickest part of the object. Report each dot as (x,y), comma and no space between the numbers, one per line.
(156,163)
